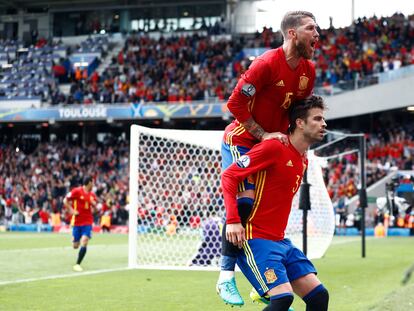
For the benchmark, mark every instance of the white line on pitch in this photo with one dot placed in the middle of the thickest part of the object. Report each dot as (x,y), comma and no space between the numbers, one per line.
(62,276)
(41,249)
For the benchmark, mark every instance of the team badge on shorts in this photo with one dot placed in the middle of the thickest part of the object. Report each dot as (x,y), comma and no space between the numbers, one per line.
(243,161)
(270,276)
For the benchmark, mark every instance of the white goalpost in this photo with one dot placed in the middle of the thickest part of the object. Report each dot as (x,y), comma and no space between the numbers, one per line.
(176,208)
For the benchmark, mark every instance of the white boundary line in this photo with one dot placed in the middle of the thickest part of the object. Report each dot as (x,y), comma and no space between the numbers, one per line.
(42,249)
(62,276)
(77,274)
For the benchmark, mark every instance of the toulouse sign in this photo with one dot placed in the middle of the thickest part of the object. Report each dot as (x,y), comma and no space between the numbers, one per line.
(134,111)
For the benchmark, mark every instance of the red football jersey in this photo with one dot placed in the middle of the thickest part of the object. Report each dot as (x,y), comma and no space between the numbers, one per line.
(81,202)
(279,170)
(276,87)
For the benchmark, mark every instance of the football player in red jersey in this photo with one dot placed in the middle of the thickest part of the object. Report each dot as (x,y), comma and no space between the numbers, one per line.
(272,264)
(83,201)
(260,103)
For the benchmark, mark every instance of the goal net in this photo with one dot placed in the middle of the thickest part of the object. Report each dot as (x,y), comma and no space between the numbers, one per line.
(176,209)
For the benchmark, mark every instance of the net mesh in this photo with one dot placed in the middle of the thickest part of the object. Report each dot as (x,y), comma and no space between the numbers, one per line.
(180,204)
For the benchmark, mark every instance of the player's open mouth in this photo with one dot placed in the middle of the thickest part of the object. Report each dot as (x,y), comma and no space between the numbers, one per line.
(313,44)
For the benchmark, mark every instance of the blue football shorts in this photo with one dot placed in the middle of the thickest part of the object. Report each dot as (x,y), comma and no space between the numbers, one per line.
(229,155)
(79,231)
(267,264)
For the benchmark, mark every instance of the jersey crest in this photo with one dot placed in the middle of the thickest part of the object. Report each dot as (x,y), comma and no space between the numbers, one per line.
(270,276)
(303,82)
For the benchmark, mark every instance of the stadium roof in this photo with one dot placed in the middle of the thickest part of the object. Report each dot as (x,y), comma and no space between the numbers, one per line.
(65,5)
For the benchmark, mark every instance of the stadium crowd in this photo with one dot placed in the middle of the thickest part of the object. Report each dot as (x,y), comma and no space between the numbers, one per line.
(36,177)
(175,69)
(386,151)
(367,47)
(197,67)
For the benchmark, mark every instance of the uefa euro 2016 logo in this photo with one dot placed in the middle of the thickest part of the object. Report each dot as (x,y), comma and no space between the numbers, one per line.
(243,161)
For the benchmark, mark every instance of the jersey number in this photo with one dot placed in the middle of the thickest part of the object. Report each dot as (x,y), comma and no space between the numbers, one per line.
(287,101)
(295,188)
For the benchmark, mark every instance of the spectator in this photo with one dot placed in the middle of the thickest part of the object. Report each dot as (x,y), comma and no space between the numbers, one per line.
(44,215)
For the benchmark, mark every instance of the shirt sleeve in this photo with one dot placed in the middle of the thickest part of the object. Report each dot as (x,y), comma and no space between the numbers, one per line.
(260,157)
(73,194)
(257,76)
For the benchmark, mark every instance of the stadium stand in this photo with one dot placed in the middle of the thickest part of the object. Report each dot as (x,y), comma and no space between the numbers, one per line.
(41,173)
(27,72)
(199,67)
(196,67)
(387,151)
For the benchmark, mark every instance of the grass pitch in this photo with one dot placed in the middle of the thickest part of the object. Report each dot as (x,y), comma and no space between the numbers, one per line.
(36,274)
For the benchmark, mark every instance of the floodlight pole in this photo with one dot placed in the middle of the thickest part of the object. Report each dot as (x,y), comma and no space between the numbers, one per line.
(305,206)
(363,188)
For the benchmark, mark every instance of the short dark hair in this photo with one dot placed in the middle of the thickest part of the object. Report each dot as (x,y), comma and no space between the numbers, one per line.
(87,180)
(300,109)
(293,19)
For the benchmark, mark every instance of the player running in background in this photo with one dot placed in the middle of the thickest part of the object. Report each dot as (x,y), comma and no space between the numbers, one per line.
(260,103)
(272,264)
(83,200)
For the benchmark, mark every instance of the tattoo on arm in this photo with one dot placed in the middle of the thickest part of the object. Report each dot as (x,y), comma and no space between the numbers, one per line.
(253,128)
